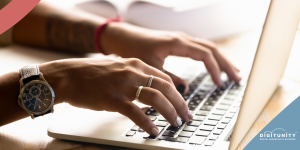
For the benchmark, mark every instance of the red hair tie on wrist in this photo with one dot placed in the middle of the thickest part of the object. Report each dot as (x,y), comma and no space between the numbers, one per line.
(100,29)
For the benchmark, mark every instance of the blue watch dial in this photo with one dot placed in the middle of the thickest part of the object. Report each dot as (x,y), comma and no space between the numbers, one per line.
(37,97)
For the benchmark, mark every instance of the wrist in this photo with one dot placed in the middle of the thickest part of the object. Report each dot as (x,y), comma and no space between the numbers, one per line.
(56,78)
(109,36)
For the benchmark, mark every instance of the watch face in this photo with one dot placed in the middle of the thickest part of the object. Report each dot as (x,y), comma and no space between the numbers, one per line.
(37,97)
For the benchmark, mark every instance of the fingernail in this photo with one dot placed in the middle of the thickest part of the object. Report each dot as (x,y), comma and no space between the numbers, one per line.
(190,115)
(178,120)
(154,131)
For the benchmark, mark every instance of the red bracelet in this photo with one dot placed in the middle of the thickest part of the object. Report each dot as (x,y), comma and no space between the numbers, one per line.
(100,29)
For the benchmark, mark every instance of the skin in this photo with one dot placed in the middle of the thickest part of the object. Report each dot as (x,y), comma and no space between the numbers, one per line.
(143,51)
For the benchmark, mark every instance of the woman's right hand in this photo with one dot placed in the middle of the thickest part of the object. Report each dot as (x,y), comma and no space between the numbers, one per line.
(111,85)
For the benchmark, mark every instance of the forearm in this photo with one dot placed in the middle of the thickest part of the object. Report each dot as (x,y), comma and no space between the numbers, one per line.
(53,28)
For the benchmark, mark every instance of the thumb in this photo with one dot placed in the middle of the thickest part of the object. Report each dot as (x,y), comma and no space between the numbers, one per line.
(180,84)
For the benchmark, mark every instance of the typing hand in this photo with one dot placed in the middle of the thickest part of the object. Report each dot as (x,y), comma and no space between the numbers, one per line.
(153,46)
(111,85)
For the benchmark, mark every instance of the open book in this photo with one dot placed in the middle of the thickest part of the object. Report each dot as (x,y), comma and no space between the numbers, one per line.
(210,19)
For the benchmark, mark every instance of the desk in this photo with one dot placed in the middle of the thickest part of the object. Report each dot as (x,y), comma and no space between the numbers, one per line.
(32,134)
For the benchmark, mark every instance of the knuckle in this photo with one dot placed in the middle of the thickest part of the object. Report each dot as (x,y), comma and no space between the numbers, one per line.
(207,54)
(169,79)
(175,38)
(167,86)
(135,62)
(155,95)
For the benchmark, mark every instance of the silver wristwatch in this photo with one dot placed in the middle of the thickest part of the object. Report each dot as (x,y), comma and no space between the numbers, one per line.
(36,95)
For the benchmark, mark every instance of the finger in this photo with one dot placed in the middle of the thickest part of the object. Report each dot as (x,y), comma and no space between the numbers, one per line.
(145,68)
(223,62)
(201,53)
(173,97)
(160,103)
(178,82)
(135,114)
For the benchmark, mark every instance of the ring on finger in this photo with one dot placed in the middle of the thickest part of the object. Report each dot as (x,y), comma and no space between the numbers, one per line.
(150,81)
(137,94)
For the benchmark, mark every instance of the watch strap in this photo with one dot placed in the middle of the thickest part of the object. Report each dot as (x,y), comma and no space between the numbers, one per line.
(30,70)
(29,73)
(49,111)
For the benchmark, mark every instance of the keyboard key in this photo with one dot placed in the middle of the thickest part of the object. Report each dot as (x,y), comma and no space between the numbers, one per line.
(217,131)
(214,117)
(226,102)
(222,107)
(161,123)
(202,113)
(206,128)
(213,137)
(161,118)
(197,140)
(230,97)
(190,128)
(198,118)
(141,130)
(233,92)
(192,107)
(202,133)
(160,129)
(174,129)
(210,103)
(154,113)
(233,110)
(130,133)
(219,112)
(186,97)
(135,128)
(152,117)
(178,139)
(221,126)
(169,133)
(236,105)
(180,88)
(196,102)
(207,108)
(198,98)
(185,134)
(208,143)
(194,123)
(229,115)
(211,122)
(225,120)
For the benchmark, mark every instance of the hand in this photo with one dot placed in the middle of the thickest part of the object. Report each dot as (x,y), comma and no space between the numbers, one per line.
(153,46)
(111,85)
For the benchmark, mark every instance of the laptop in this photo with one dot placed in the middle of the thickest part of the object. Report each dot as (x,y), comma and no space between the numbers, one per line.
(222,115)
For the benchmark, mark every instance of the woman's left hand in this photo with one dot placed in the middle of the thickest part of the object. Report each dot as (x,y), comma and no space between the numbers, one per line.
(153,46)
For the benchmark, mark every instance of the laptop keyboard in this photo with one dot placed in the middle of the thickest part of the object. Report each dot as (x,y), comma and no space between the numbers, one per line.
(212,108)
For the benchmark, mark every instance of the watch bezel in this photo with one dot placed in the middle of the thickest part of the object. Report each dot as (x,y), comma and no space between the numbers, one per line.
(20,101)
